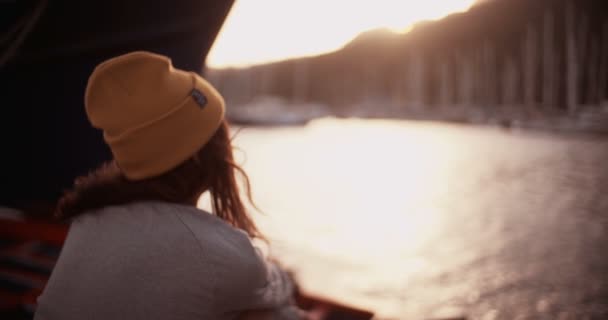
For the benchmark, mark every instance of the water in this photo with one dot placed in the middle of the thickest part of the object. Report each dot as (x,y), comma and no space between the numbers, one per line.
(420,220)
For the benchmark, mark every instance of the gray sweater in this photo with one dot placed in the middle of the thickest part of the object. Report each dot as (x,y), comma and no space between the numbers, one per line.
(154,260)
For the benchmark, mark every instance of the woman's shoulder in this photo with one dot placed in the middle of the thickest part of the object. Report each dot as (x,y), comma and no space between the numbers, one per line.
(216,237)
(206,228)
(217,241)
(229,249)
(215,248)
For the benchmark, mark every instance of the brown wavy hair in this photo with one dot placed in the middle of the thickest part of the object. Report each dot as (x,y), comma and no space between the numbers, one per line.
(211,169)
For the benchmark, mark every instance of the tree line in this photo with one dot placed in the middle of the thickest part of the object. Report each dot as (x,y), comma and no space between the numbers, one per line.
(538,57)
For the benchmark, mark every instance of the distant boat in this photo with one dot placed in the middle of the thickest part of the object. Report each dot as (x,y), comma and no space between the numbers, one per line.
(274,111)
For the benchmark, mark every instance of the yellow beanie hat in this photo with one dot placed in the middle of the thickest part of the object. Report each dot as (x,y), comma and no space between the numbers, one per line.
(153,116)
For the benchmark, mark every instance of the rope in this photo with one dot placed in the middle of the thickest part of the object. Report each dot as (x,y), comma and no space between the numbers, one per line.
(26,24)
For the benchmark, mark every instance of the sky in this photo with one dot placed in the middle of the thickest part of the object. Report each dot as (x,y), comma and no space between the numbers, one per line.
(261,31)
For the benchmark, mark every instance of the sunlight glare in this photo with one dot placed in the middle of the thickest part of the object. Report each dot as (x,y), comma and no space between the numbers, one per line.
(271,30)
(385,192)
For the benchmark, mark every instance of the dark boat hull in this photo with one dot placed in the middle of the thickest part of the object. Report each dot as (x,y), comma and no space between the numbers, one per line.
(45,138)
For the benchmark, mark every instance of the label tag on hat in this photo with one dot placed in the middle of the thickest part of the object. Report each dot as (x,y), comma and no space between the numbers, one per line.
(199,97)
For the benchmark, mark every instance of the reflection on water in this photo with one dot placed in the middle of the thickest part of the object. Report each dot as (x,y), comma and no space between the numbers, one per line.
(418,220)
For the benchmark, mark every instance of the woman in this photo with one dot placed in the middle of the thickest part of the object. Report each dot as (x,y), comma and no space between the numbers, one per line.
(138,248)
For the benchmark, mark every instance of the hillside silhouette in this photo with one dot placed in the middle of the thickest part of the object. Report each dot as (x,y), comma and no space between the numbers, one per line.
(509,59)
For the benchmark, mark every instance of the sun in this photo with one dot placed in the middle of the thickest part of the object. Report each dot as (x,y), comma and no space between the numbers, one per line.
(270,30)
